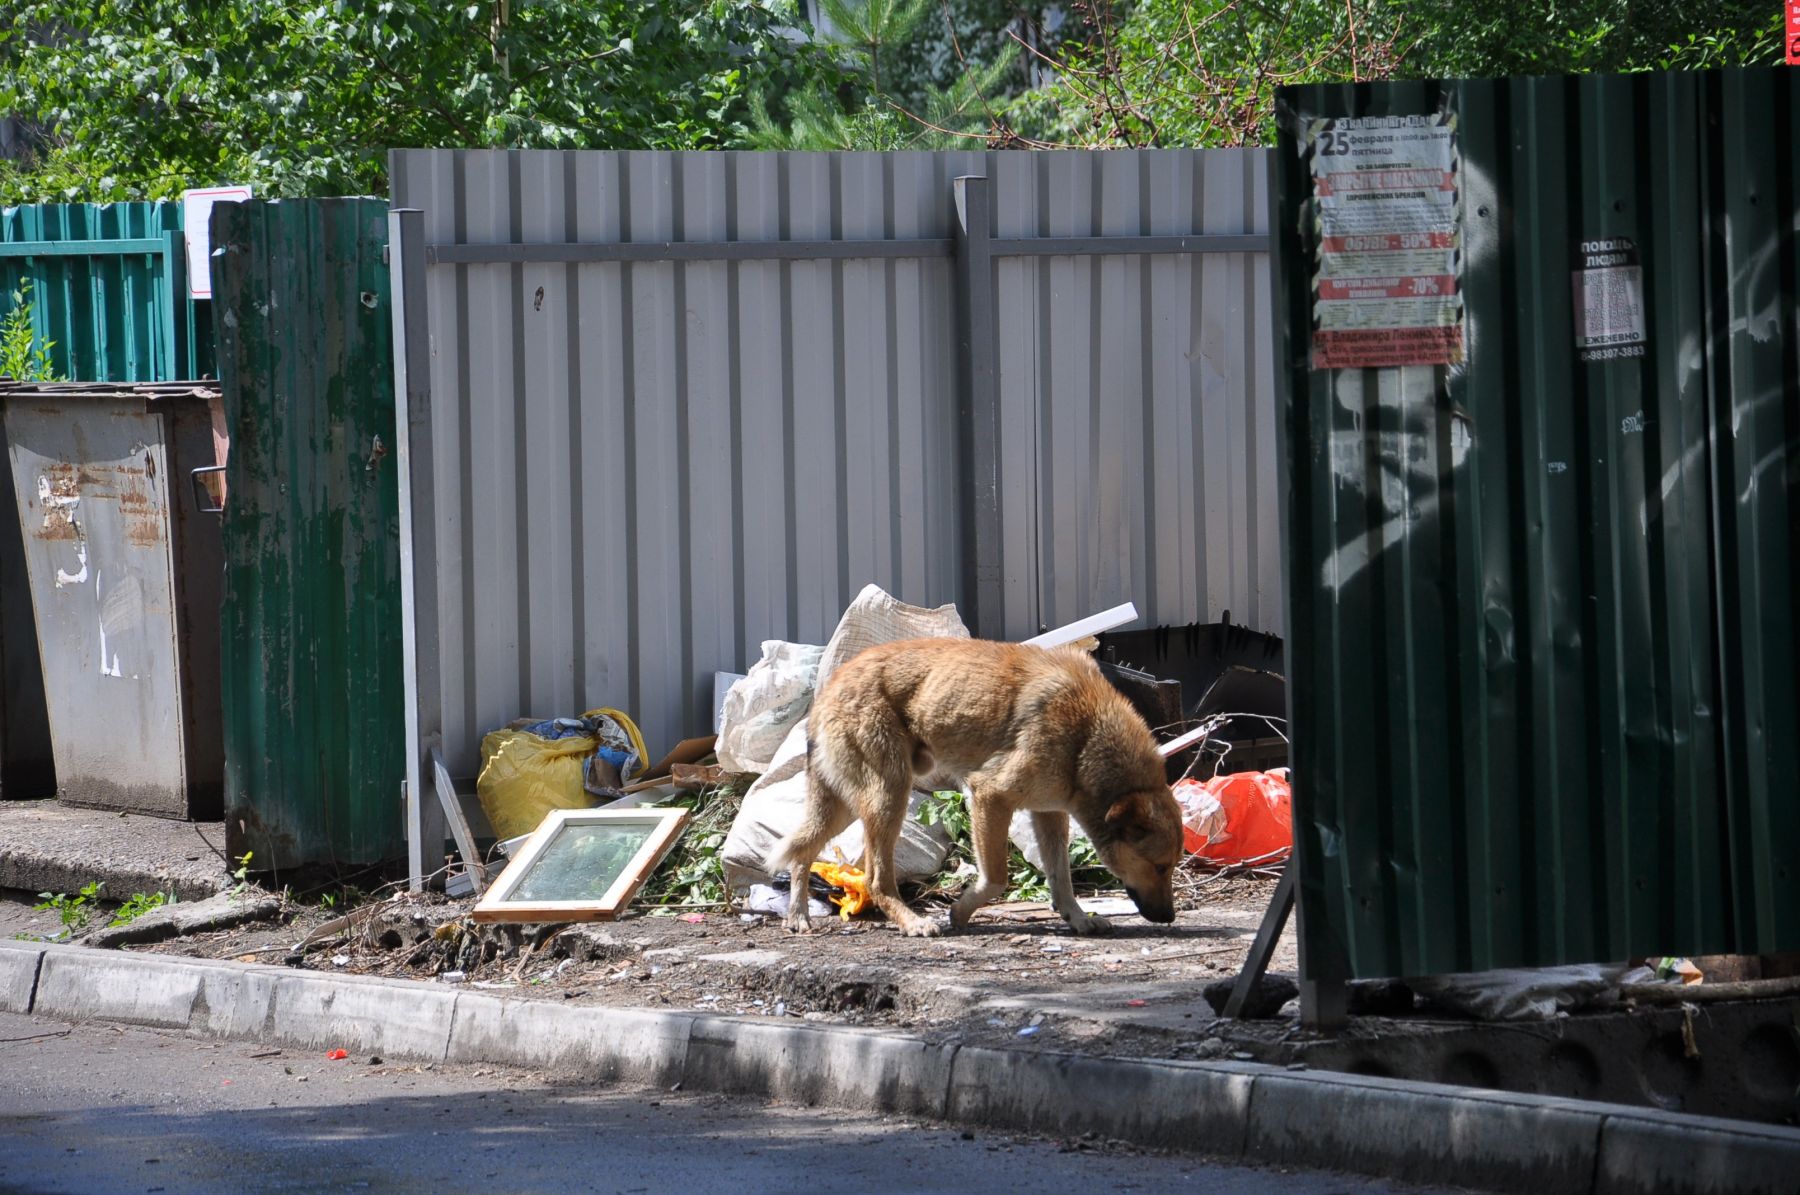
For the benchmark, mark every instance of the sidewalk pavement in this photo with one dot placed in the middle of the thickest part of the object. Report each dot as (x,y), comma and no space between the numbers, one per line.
(46,846)
(1397,1129)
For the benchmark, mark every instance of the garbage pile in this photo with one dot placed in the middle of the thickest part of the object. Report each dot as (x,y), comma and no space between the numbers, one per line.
(730,799)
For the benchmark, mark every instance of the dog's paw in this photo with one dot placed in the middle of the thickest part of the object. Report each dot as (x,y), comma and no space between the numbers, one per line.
(798,925)
(922,927)
(1090,924)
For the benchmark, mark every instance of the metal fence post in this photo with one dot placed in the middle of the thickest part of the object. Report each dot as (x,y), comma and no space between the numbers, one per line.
(978,409)
(418,545)
(180,312)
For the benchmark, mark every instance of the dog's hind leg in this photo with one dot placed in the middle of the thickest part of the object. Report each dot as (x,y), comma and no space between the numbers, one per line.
(826,817)
(883,819)
(1052,829)
(988,824)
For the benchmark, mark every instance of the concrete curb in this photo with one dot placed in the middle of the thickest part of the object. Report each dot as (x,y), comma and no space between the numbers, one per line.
(1386,1127)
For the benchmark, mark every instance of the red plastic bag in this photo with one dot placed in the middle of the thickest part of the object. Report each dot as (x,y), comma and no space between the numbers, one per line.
(1259,817)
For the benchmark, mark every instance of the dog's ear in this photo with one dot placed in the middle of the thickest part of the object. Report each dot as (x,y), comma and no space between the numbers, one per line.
(1128,811)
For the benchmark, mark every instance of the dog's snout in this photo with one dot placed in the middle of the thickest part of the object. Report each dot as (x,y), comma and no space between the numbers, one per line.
(1162,912)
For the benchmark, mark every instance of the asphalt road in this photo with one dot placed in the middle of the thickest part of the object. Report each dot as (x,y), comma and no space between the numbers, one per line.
(97,1109)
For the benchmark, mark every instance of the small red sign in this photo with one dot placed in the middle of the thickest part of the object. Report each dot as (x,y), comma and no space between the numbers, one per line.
(1793,32)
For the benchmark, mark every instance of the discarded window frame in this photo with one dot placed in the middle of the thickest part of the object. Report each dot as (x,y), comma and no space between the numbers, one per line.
(582,865)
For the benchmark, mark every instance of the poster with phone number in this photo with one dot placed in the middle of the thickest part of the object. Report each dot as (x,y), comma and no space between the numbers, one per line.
(1388,213)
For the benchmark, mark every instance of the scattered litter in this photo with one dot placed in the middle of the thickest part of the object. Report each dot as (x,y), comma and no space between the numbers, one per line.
(1678,968)
(1053,948)
(766,898)
(1238,817)
(1523,994)
(694,918)
(374,1060)
(775,804)
(851,882)
(340,960)
(996,1023)
(1136,1003)
(581,865)
(337,1055)
(760,709)
(531,767)
(453,977)
(1030,1031)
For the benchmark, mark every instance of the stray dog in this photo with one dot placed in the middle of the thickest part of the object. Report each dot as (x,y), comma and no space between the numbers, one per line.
(1023,728)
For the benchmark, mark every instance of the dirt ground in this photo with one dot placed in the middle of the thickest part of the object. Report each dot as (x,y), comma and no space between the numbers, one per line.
(1016,973)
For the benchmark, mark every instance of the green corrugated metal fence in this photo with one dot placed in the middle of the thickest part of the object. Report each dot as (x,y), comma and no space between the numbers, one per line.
(314,743)
(1542,651)
(109,287)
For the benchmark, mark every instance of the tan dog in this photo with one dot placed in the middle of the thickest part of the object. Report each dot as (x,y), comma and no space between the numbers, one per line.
(1023,728)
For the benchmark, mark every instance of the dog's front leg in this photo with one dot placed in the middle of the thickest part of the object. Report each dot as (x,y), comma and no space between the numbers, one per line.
(1052,828)
(988,820)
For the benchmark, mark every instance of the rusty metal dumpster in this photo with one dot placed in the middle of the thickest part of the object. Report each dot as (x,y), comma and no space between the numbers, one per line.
(124,570)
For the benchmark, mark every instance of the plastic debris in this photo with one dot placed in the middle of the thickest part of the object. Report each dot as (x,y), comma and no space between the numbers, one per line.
(1523,994)
(337,1055)
(766,898)
(853,883)
(1678,968)
(694,918)
(1257,808)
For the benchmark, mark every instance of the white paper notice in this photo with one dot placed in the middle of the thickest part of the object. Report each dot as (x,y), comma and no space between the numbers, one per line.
(1389,237)
(1609,300)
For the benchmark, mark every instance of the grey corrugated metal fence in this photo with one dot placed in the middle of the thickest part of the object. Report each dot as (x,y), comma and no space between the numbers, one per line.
(680,403)
(1542,641)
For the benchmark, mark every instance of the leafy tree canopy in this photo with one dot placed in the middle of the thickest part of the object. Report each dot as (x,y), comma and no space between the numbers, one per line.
(141,98)
(1203,72)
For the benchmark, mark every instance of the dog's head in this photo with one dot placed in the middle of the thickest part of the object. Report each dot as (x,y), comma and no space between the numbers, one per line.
(1140,843)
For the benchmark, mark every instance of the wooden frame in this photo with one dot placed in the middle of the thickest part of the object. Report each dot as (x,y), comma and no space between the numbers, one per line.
(497,904)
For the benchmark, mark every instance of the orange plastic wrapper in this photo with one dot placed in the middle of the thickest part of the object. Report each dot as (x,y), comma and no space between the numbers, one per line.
(1259,817)
(851,879)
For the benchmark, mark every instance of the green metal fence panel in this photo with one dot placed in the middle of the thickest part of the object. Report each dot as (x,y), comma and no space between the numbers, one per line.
(1542,652)
(314,742)
(109,287)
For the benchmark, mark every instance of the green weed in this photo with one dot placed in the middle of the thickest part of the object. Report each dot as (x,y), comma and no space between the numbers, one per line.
(74,911)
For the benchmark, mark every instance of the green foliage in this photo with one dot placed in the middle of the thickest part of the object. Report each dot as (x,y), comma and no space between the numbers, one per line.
(1737,45)
(1204,72)
(142,98)
(137,906)
(74,911)
(1024,881)
(865,105)
(693,872)
(1460,38)
(871,26)
(23,357)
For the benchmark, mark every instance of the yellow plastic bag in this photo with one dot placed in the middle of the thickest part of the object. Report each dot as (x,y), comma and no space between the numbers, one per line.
(530,768)
(855,884)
